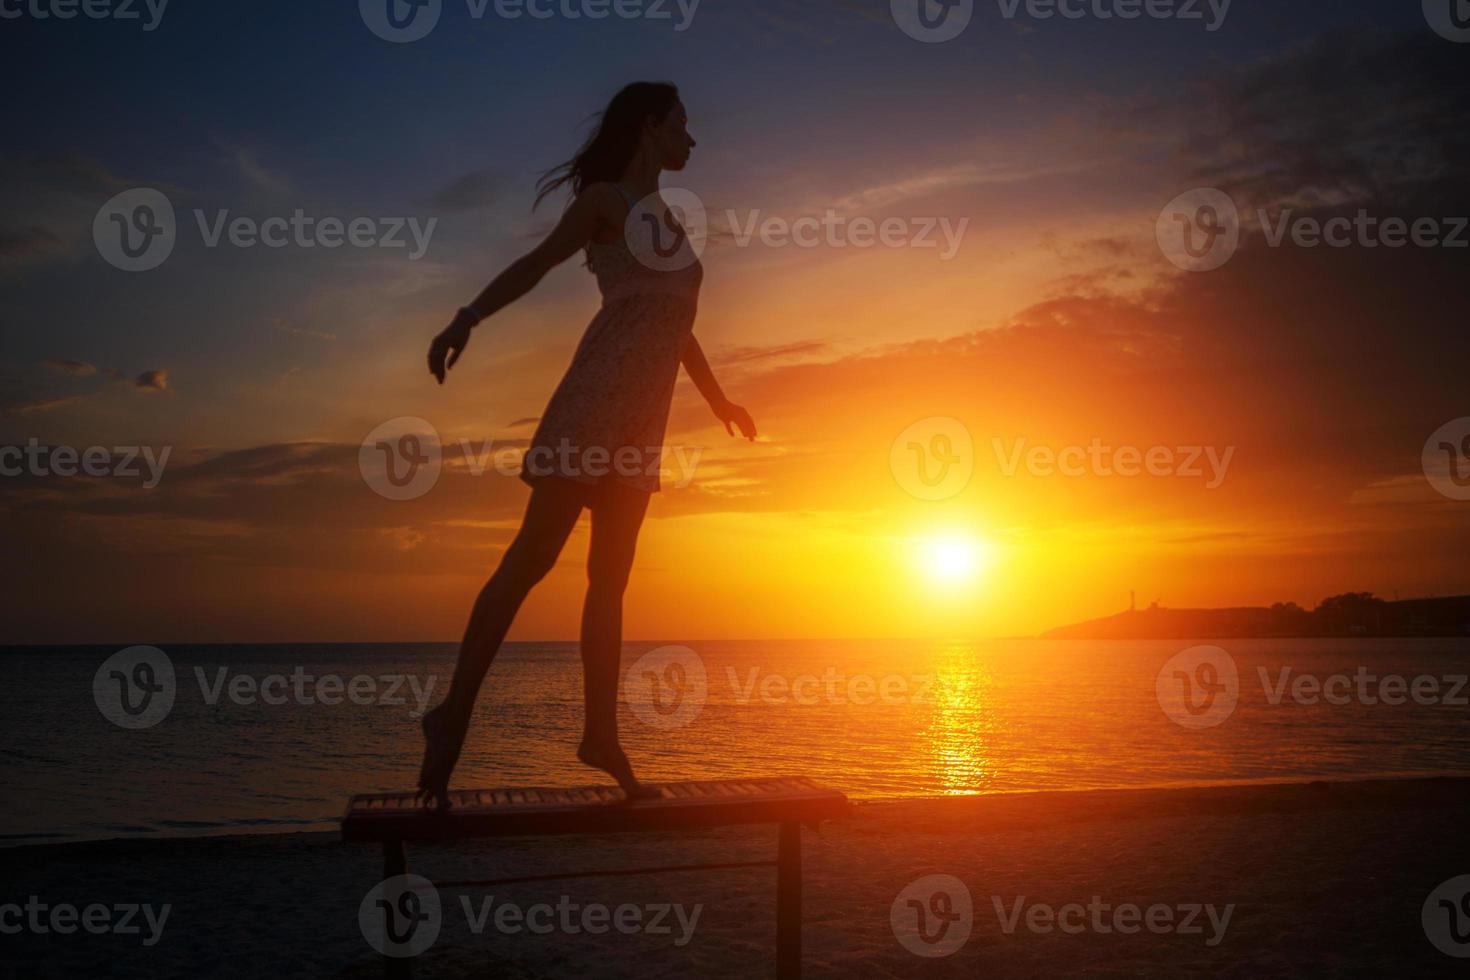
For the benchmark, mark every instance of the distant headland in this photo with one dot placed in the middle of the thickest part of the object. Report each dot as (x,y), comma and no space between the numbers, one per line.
(1349,614)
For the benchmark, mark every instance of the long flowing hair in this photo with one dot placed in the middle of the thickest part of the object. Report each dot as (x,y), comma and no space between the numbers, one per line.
(612,145)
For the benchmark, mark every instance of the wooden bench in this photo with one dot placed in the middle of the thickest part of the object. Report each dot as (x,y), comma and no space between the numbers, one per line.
(394,818)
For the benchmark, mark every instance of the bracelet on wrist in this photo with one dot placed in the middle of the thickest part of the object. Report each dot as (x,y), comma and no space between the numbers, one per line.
(470,315)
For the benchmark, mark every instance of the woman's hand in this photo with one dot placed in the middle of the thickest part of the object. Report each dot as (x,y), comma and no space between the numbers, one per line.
(450,343)
(596,207)
(728,412)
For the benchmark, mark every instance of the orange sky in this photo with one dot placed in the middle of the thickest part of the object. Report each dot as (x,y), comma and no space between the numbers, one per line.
(1057,323)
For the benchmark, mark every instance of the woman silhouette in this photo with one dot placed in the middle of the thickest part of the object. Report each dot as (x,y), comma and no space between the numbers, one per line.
(598,442)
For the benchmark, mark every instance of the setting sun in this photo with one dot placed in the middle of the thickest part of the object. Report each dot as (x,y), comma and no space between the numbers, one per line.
(952,558)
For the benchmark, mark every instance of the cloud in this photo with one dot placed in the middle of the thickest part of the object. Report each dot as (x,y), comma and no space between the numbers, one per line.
(49,200)
(69,173)
(944,178)
(1346,117)
(746,355)
(285,326)
(260,179)
(27,244)
(78,368)
(40,405)
(155,380)
(471,192)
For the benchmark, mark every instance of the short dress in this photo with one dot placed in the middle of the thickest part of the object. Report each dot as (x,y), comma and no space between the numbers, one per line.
(606,419)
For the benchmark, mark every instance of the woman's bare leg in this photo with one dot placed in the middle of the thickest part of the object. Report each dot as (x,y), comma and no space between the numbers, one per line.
(550,516)
(617,517)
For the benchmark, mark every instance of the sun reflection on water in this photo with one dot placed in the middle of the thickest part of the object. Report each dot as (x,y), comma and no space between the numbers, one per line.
(963,720)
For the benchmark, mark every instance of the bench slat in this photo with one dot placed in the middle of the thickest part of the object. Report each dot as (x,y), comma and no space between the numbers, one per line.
(592,809)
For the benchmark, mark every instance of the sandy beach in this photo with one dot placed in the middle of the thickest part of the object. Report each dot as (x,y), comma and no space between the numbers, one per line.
(1317,879)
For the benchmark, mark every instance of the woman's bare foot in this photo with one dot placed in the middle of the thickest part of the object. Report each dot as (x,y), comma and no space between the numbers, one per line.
(609,757)
(441,751)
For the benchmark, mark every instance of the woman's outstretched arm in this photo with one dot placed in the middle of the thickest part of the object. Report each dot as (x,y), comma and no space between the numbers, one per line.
(595,207)
(704,379)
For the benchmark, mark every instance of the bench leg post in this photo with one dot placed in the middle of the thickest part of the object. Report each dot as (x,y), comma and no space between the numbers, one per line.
(395,862)
(788,902)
